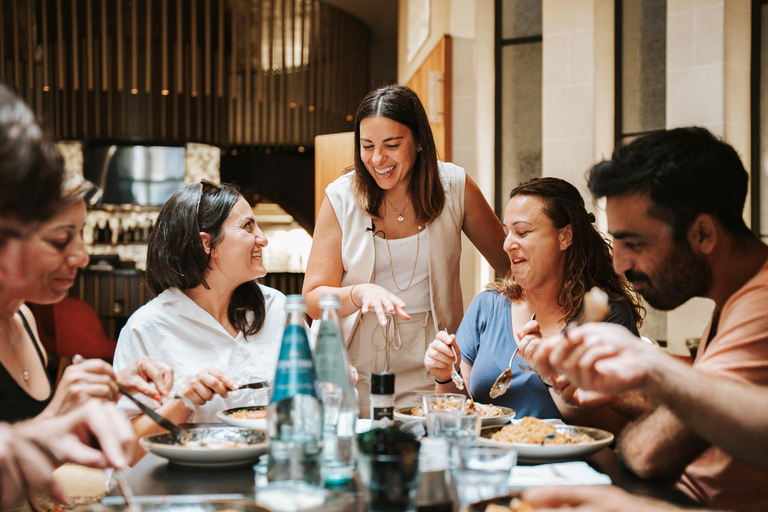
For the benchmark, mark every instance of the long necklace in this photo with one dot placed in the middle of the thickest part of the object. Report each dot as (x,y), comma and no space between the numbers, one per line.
(400,217)
(391,266)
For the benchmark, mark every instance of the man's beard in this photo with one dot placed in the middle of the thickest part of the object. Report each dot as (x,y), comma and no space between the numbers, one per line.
(682,276)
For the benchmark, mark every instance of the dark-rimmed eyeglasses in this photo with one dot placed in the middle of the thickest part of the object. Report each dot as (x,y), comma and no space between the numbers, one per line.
(203,183)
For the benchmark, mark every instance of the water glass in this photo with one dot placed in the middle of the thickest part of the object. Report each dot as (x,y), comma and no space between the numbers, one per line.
(390,480)
(443,413)
(482,472)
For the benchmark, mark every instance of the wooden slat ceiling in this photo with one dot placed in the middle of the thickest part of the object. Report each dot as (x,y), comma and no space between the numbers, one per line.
(230,72)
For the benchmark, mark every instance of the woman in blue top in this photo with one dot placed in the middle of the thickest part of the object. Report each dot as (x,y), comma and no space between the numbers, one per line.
(556,255)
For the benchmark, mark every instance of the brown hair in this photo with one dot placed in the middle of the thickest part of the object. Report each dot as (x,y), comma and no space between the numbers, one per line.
(31,166)
(401,104)
(588,260)
(176,257)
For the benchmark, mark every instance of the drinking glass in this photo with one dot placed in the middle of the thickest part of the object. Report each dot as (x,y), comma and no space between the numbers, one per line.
(443,412)
(482,472)
(390,481)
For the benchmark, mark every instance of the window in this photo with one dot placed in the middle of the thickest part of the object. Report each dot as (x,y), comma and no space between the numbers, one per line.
(518,95)
(641,68)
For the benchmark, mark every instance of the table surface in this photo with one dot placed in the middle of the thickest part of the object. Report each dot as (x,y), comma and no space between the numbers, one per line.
(153,476)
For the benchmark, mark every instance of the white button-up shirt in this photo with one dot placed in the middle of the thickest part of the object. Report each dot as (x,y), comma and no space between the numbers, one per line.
(174,329)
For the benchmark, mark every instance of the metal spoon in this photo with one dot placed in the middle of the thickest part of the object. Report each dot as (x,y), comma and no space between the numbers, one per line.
(456,377)
(501,385)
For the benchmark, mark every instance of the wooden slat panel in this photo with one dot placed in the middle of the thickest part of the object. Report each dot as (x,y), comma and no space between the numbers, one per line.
(75,45)
(3,14)
(30,47)
(16,49)
(119,41)
(89,43)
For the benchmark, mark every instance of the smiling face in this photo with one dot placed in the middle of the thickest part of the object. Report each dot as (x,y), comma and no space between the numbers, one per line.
(536,249)
(664,271)
(238,253)
(58,251)
(388,151)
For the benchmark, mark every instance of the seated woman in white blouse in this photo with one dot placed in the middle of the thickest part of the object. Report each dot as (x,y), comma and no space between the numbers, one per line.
(211,321)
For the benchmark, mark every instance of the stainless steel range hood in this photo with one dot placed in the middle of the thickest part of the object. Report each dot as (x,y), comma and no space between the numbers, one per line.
(137,174)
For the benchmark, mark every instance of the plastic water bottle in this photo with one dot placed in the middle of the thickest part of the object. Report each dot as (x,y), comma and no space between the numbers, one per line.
(294,414)
(340,409)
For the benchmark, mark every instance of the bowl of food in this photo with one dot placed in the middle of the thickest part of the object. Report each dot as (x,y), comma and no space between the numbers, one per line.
(491,414)
(245,417)
(540,441)
(213,447)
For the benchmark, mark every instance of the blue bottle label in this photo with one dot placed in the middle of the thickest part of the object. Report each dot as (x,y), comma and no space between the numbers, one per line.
(295,373)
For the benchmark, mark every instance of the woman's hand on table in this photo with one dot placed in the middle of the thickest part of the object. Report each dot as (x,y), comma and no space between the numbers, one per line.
(373,297)
(208,383)
(148,376)
(439,359)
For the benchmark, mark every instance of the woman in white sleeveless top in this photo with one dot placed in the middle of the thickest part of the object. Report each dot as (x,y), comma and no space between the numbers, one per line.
(388,242)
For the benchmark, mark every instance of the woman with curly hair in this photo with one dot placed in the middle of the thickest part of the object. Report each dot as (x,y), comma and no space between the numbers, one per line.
(556,256)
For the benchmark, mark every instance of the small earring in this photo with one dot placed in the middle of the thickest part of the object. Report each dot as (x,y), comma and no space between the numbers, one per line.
(419,148)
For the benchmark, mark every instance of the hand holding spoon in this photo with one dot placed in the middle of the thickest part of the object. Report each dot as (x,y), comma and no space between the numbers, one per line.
(505,378)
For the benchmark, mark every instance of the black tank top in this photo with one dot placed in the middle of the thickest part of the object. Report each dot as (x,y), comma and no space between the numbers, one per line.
(15,403)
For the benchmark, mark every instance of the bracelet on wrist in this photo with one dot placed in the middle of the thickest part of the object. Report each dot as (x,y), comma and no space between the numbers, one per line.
(352,300)
(443,381)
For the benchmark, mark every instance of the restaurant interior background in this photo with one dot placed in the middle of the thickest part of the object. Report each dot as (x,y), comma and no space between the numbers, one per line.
(144,95)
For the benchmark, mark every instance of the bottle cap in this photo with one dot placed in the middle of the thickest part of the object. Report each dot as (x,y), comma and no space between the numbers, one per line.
(329,300)
(383,383)
(295,303)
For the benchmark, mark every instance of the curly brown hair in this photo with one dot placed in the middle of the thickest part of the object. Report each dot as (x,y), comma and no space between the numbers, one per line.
(588,260)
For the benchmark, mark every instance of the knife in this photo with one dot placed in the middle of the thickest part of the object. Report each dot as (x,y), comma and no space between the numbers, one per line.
(163,422)
(255,385)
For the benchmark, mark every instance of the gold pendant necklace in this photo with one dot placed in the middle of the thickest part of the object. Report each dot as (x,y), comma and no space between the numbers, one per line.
(400,217)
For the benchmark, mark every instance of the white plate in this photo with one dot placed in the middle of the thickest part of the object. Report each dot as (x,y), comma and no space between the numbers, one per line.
(529,452)
(258,424)
(404,414)
(164,445)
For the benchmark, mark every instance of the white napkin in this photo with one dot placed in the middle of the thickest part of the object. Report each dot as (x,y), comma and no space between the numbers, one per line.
(563,473)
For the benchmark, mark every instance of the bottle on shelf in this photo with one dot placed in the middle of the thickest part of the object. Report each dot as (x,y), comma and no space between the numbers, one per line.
(337,394)
(294,414)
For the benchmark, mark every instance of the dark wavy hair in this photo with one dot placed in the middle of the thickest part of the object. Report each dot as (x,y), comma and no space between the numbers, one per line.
(402,105)
(686,172)
(176,257)
(588,260)
(31,167)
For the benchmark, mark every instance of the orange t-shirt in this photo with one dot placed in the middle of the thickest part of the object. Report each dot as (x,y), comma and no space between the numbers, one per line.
(739,351)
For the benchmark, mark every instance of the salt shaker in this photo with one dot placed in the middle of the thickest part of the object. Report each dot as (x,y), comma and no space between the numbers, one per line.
(382,399)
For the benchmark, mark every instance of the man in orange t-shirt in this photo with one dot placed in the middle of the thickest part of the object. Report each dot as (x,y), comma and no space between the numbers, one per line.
(674,206)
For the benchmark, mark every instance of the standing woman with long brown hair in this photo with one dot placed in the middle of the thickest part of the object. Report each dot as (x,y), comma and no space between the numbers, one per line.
(388,241)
